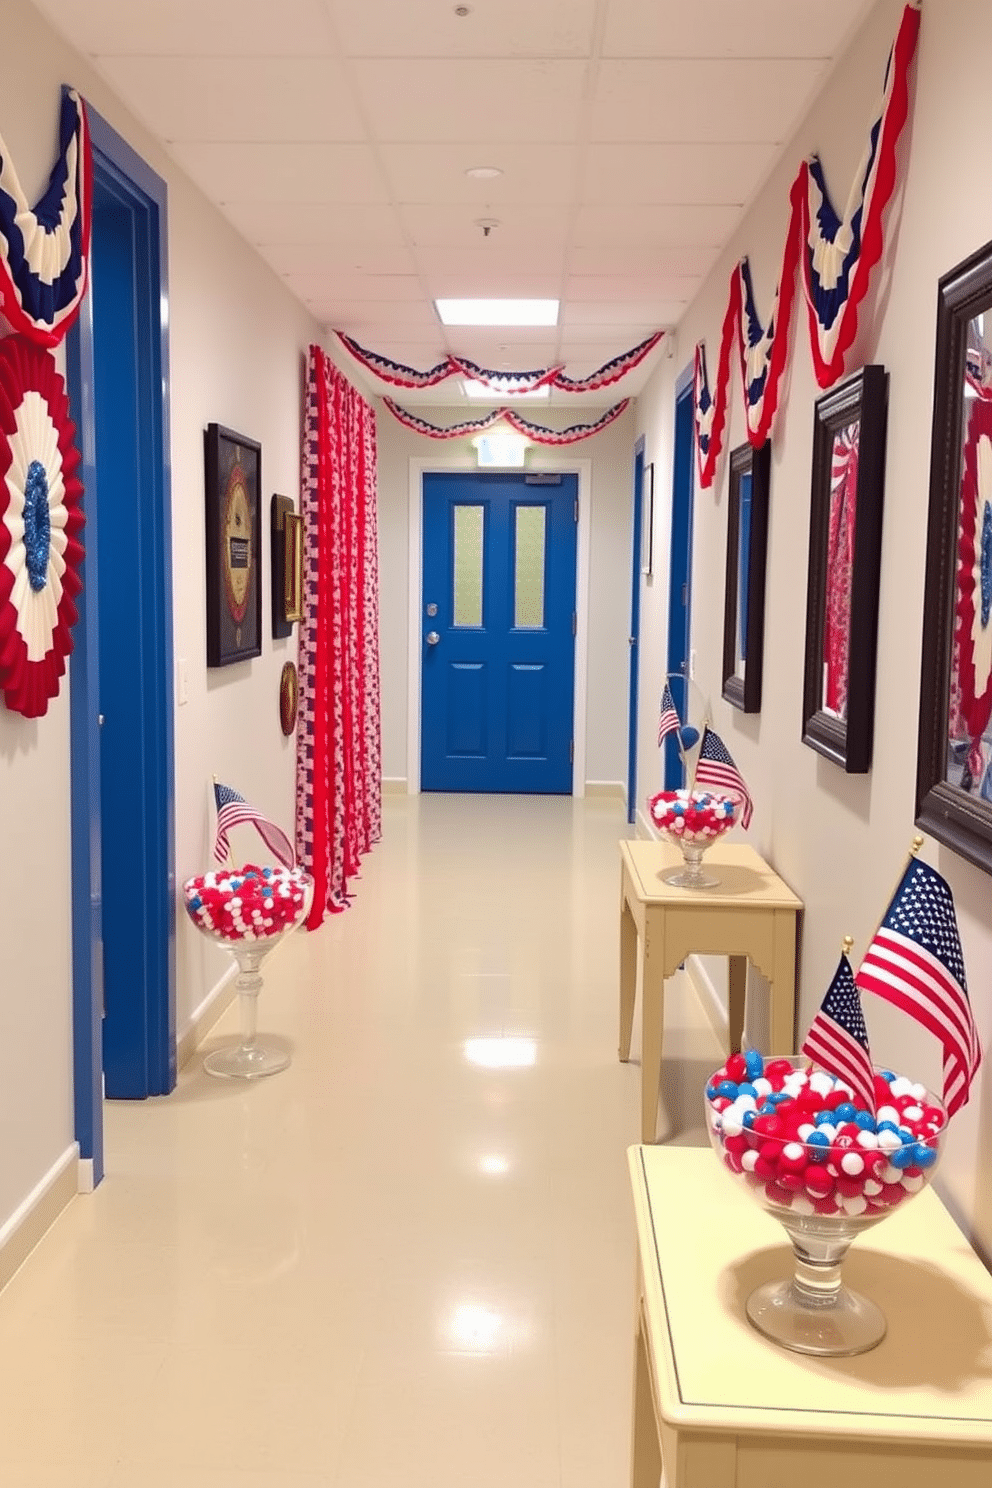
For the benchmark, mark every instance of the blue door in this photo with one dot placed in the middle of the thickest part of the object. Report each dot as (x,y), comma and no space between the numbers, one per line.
(634,639)
(498,632)
(680,569)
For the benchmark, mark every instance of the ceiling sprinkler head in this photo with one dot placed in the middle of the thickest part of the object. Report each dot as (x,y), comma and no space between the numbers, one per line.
(487,224)
(463,10)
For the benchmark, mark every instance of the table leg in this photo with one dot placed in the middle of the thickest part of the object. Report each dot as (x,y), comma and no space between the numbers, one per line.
(652,1032)
(628,976)
(645,1451)
(736,993)
(782,994)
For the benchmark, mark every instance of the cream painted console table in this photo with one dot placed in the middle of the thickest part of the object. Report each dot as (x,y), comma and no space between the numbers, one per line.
(751,915)
(719,1407)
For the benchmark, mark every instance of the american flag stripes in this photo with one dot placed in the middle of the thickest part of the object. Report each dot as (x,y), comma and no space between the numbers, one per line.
(233,809)
(838,1039)
(915,962)
(716,770)
(668,718)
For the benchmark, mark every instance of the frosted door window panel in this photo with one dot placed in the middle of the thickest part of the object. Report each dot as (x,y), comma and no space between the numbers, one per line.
(467,565)
(530,538)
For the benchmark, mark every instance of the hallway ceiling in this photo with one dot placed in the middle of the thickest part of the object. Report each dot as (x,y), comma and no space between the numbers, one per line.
(335,136)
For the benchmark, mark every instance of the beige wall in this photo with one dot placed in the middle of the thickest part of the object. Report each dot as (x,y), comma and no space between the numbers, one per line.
(841,840)
(238,341)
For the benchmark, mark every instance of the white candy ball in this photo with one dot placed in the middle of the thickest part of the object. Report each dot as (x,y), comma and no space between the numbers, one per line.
(857,1204)
(918,1091)
(889,1174)
(888,1141)
(762,1086)
(732,1127)
(913,1113)
(913,1182)
(805,1130)
(868,1140)
(852,1163)
(748,1160)
(802,1205)
(872,1187)
(821,1082)
(901,1086)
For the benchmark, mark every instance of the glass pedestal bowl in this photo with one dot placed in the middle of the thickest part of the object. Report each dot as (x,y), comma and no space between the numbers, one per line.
(824,1196)
(694,820)
(248,911)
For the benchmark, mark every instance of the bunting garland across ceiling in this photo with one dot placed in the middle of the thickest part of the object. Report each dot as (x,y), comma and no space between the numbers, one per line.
(398,375)
(835,255)
(44,249)
(537,432)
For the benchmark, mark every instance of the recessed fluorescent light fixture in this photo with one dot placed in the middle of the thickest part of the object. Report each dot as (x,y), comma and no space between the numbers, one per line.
(496,394)
(498,312)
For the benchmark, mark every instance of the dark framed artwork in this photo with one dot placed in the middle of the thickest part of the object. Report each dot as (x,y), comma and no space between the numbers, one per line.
(845,543)
(233,467)
(279,508)
(292,581)
(954,757)
(744,594)
(647,520)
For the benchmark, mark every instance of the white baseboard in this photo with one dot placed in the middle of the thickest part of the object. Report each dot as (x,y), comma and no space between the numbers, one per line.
(614,789)
(394,785)
(85,1179)
(21,1232)
(213,1007)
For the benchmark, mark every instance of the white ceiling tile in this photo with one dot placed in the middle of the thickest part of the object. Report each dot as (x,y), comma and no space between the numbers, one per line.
(511,348)
(346,313)
(712,100)
(384,289)
(490,256)
(494,28)
(176,28)
(436,172)
(730,28)
(633,258)
(644,316)
(267,172)
(318,222)
(700,174)
(224,98)
(337,258)
(430,100)
(580,288)
(518,226)
(493,285)
(663,227)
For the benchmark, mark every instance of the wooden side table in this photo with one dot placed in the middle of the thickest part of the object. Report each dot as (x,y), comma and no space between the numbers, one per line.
(720,1407)
(751,915)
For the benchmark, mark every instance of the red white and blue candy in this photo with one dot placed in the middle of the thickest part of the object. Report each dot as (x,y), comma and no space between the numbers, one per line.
(249,903)
(807,1143)
(693,816)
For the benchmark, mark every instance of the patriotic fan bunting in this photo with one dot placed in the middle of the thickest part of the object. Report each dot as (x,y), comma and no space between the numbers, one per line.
(972,658)
(836,254)
(41,520)
(398,375)
(44,250)
(537,432)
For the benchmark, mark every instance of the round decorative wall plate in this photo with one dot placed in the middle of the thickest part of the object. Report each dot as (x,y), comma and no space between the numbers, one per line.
(288,698)
(41,519)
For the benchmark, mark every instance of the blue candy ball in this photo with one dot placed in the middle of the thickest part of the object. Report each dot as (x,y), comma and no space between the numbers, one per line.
(688,736)
(754,1063)
(749,1119)
(923,1157)
(903,1157)
(823,1117)
(865,1120)
(746,1088)
(846,1111)
(818,1144)
(727,1088)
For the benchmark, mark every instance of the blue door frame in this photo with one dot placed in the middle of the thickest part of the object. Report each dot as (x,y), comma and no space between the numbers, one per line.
(121,670)
(680,567)
(634,639)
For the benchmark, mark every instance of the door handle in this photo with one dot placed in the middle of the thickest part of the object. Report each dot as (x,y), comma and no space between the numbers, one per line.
(432,638)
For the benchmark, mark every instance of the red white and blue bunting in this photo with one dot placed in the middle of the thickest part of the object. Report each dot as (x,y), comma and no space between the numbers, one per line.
(44,250)
(537,432)
(41,519)
(397,375)
(836,255)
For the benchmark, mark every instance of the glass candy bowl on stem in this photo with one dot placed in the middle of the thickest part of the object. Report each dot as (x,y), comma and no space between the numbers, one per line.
(826,1185)
(248,911)
(694,820)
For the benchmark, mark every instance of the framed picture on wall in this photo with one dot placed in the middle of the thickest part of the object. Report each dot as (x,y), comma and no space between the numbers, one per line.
(292,580)
(233,469)
(744,593)
(954,757)
(280,508)
(845,541)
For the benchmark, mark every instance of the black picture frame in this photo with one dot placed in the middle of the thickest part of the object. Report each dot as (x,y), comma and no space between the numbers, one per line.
(233,475)
(953,797)
(744,591)
(279,508)
(845,544)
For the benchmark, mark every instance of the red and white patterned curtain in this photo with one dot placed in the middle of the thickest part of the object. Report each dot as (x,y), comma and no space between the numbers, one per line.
(338,775)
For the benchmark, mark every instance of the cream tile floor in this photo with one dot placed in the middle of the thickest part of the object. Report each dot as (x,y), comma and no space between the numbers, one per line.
(398,1264)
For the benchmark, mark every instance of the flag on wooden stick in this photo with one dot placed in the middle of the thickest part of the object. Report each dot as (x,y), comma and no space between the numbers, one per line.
(232,810)
(838,1039)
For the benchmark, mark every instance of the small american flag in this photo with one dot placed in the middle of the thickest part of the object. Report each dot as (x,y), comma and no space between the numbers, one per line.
(668,718)
(838,1039)
(233,809)
(715,768)
(915,962)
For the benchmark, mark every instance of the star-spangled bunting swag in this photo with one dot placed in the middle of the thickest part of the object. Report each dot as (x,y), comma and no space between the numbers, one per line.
(716,770)
(838,1040)
(668,716)
(915,962)
(398,375)
(232,810)
(537,432)
(44,250)
(835,255)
